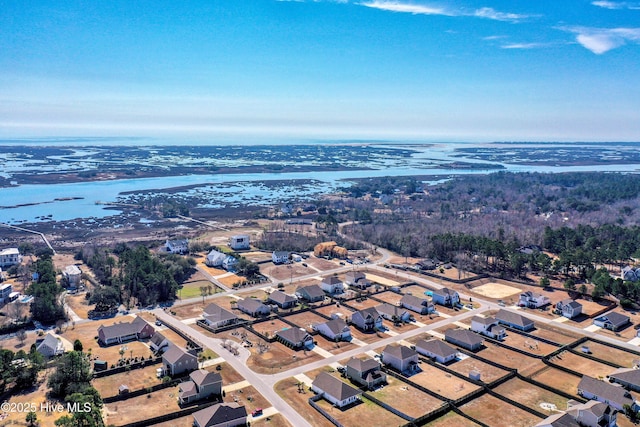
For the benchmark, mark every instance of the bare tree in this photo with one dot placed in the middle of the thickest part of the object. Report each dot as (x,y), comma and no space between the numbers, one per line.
(22,336)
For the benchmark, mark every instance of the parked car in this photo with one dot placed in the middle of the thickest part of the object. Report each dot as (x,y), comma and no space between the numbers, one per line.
(256,412)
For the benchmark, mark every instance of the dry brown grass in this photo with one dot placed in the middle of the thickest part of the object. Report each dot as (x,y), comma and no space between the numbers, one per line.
(488,373)
(496,413)
(143,407)
(610,354)
(135,379)
(229,375)
(248,397)
(79,304)
(508,358)
(442,382)
(530,395)
(451,419)
(406,399)
(558,379)
(288,390)
(582,364)
(273,421)
(389,297)
(306,320)
(366,413)
(554,334)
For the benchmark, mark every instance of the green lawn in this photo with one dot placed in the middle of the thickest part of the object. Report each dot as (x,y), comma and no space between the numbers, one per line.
(192,289)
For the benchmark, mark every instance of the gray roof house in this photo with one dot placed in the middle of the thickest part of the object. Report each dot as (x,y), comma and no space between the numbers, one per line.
(367,319)
(215,258)
(119,333)
(612,320)
(282,300)
(436,349)
(365,372)
(589,414)
(332,285)
(419,305)
(463,338)
(253,307)
(626,377)
(334,329)
(311,293)
(158,342)
(403,359)
(514,320)
(569,308)
(177,361)
(393,312)
(177,246)
(295,338)
(614,395)
(201,385)
(280,257)
(50,346)
(221,415)
(356,279)
(335,391)
(217,317)
(489,326)
(445,296)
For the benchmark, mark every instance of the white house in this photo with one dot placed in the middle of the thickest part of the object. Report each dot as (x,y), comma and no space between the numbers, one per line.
(419,305)
(603,391)
(217,317)
(280,257)
(50,346)
(239,242)
(437,349)
(401,358)
(9,257)
(215,258)
(446,297)
(5,291)
(533,300)
(335,391)
(367,319)
(177,246)
(334,329)
(393,312)
(72,275)
(489,326)
(569,308)
(230,263)
(332,285)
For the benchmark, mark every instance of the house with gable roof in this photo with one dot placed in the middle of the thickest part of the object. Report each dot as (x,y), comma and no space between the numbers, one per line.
(334,329)
(436,349)
(201,385)
(158,342)
(311,293)
(253,307)
(282,300)
(50,346)
(221,415)
(463,338)
(514,320)
(295,338)
(215,258)
(335,391)
(122,332)
(629,378)
(332,285)
(445,296)
(216,317)
(569,308)
(365,372)
(356,279)
(367,319)
(393,312)
(533,300)
(177,361)
(180,246)
(589,414)
(417,304)
(614,395)
(488,326)
(400,357)
(612,321)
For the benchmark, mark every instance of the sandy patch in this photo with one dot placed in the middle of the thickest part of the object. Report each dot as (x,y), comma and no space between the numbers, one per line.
(496,290)
(382,280)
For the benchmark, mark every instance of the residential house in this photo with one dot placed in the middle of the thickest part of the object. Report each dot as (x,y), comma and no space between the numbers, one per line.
(630,274)
(589,414)
(177,361)
(403,359)
(9,257)
(488,326)
(295,338)
(365,372)
(335,391)
(437,349)
(612,320)
(629,378)
(417,304)
(230,263)
(332,285)
(334,329)
(158,342)
(463,338)
(514,320)
(201,385)
(239,242)
(533,300)
(177,246)
(356,279)
(50,346)
(119,333)
(217,317)
(72,276)
(280,257)
(569,308)
(221,415)
(311,293)
(215,258)
(445,296)
(5,290)
(282,300)
(253,307)
(367,319)
(393,312)
(602,391)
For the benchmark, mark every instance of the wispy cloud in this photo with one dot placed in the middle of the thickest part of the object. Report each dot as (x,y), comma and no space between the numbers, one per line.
(431,9)
(602,40)
(489,38)
(616,5)
(523,45)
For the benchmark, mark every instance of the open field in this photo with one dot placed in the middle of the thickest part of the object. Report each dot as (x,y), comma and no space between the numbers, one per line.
(79,304)
(488,373)
(496,413)
(509,358)
(142,407)
(278,357)
(384,281)
(335,309)
(558,379)
(270,327)
(333,347)
(306,319)
(135,379)
(285,272)
(554,334)
(582,364)
(288,390)
(405,398)
(610,354)
(365,303)
(527,344)
(496,290)
(229,375)
(389,297)
(442,382)
(248,397)
(530,395)
(366,413)
(451,419)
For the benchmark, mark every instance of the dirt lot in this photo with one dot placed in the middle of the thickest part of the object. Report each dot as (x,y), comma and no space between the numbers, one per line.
(335,309)
(79,304)
(385,280)
(248,397)
(389,297)
(333,347)
(135,379)
(496,413)
(451,419)
(530,395)
(582,364)
(229,375)
(366,413)
(509,358)
(322,264)
(557,335)
(270,327)
(365,303)
(273,421)
(306,320)
(442,382)
(488,373)
(405,398)
(288,390)
(527,344)
(610,354)
(142,407)
(558,379)
(231,279)
(285,272)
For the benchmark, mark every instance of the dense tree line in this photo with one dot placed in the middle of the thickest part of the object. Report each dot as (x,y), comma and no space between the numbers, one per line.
(20,369)
(46,305)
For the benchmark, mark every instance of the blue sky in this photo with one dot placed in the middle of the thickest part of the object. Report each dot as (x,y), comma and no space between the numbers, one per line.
(451,70)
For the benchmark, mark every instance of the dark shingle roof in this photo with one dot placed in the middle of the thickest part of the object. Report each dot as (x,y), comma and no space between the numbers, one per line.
(336,325)
(484,320)
(219,413)
(250,304)
(363,365)
(464,336)
(399,351)
(123,328)
(334,387)
(437,347)
(628,375)
(175,353)
(202,377)
(293,335)
(605,390)
(391,310)
(313,291)
(280,297)
(513,318)
(413,300)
